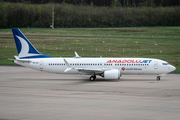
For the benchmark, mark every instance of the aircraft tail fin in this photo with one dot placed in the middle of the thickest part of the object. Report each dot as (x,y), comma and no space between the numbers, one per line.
(24,47)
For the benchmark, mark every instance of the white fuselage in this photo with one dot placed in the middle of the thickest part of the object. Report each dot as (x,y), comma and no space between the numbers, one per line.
(109,68)
(124,65)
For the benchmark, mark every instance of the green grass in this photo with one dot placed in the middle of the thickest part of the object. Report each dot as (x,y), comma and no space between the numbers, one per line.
(177,69)
(129,39)
(145,32)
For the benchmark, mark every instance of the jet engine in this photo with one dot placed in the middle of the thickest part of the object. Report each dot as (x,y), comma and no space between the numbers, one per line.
(112,74)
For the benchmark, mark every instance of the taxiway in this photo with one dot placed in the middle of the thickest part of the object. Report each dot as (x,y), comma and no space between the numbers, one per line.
(27,94)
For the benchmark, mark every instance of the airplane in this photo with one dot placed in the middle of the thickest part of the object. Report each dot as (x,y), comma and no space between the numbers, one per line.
(108,68)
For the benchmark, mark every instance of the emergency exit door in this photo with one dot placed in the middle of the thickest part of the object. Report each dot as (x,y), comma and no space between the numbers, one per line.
(41,65)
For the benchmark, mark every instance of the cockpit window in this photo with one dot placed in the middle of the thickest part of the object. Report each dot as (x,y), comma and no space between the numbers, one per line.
(165,63)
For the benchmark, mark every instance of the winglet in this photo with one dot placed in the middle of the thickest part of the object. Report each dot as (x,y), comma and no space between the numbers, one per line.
(77,56)
(67,64)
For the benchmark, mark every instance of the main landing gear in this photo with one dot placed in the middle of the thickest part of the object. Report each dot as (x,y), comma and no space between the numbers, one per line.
(158,78)
(92,78)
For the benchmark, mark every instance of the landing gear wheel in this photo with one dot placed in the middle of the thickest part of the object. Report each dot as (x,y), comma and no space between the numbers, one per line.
(92,78)
(158,78)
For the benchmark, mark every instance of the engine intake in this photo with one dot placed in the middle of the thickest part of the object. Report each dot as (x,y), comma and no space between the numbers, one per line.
(112,74)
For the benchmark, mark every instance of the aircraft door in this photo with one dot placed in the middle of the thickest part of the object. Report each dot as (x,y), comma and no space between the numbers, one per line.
(155,65)
(41,65)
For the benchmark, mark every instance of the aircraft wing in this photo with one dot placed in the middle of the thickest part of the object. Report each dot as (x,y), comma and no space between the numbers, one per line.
(83,70)
(89,71)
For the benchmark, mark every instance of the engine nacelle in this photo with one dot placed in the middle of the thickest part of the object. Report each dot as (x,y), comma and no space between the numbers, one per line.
(112,74)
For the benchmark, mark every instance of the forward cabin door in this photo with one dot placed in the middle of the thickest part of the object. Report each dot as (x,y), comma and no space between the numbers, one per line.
(155,65)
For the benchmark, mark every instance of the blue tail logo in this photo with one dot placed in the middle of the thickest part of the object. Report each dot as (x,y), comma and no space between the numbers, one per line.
(24,47)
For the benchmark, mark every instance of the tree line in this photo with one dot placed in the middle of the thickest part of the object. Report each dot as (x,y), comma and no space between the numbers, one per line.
(68,15)
(124,3)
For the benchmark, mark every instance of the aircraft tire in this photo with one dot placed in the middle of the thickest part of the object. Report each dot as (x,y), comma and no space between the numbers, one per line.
(158,78)
(92,78)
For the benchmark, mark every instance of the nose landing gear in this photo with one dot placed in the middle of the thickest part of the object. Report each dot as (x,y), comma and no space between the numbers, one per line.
(158,78)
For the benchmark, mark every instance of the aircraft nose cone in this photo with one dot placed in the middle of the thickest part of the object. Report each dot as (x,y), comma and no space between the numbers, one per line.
(172,68)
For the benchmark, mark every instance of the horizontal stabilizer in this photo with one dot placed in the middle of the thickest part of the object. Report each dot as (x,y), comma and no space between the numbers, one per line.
(19,60)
